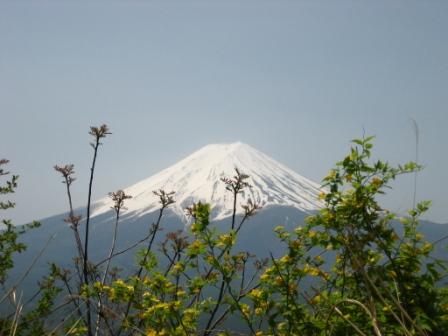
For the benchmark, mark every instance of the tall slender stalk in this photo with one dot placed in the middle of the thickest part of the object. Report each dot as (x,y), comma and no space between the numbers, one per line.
(67,172)
(235,185)
(417,141)
(154,228)
(97,133)
(118,197)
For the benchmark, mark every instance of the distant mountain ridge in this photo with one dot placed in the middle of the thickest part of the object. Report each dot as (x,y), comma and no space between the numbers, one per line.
(197,178)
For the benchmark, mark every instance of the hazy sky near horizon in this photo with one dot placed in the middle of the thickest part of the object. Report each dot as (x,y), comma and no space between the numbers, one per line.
(294,79)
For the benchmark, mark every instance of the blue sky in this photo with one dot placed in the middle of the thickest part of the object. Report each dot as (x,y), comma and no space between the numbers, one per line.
(295,79)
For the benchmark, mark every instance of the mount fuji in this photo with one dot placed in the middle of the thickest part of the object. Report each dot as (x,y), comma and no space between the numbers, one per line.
(198,178)
(285,198)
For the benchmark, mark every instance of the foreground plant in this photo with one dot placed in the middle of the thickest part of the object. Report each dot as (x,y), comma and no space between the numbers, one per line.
(367,279)
(10,245)
(353,268)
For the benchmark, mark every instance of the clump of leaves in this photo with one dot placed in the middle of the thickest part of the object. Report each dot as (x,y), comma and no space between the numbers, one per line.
(367,279)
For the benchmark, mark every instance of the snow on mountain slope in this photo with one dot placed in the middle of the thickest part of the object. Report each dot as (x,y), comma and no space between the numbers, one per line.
(197,178)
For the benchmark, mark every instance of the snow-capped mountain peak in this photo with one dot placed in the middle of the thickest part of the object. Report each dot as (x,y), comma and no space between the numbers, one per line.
(198,178)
